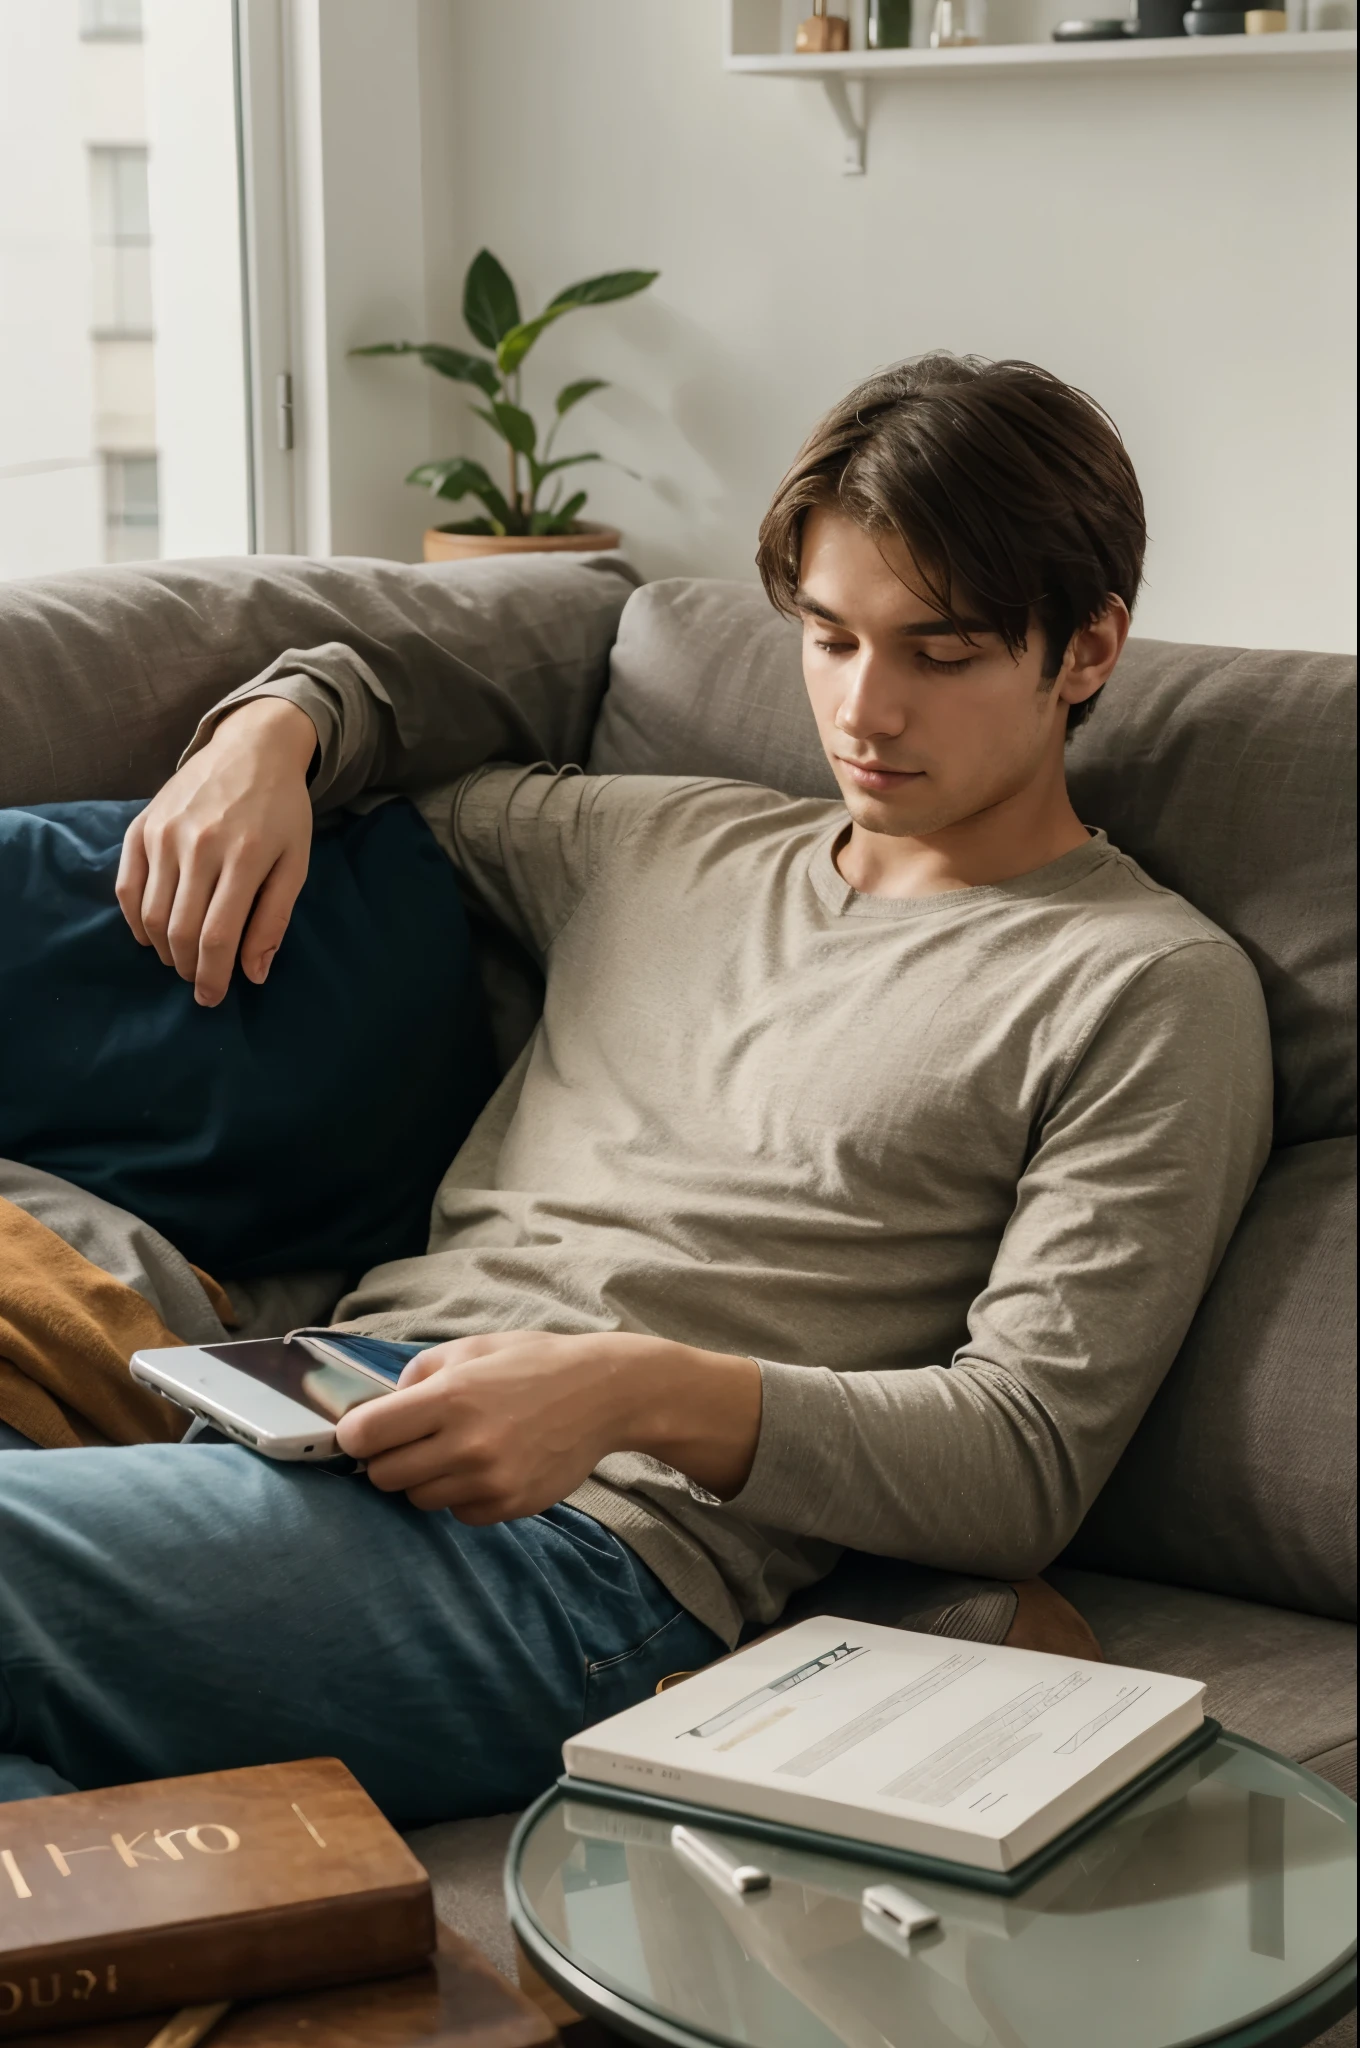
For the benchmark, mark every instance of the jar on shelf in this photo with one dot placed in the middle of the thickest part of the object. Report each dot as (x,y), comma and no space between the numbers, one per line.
(822,33)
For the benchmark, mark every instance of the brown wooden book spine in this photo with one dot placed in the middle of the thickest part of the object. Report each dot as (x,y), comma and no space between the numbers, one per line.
(244,1955)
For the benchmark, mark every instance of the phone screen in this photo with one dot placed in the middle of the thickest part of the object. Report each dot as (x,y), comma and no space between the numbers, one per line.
(328,1387)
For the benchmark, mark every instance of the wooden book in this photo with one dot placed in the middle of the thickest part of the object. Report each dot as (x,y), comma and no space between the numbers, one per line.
(457,2000)
(235,1884)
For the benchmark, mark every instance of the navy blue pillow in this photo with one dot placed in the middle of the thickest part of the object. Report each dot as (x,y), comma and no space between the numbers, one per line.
(305,1123)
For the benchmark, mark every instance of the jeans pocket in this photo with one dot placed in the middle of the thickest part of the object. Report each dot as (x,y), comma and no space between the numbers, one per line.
(679,1643)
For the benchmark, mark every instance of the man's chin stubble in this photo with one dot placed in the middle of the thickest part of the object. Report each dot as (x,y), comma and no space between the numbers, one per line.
(896,821)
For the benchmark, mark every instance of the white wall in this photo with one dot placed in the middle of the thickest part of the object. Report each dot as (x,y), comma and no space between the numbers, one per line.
(1181,246)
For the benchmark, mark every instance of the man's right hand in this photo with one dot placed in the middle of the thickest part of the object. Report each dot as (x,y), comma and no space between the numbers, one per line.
(222,849)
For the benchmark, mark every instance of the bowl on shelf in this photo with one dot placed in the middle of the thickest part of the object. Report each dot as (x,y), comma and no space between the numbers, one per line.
(1211,20)
(1107,31)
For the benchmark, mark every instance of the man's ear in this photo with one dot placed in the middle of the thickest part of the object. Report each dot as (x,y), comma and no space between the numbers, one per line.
(1092,653)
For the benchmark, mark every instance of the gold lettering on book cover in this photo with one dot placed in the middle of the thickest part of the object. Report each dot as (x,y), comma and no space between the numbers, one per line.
(207,1837)
(59,1856)
(84,1983)
(129,1853)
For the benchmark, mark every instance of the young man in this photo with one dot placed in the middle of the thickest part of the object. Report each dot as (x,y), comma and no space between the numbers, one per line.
(857,1187)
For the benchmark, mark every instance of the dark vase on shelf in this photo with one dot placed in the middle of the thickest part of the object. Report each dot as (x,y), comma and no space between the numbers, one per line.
(890,24)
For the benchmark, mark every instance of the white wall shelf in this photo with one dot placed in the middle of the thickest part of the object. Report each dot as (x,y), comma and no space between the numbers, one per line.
(846,75)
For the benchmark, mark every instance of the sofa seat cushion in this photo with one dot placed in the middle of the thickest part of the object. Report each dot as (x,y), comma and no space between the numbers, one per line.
(466,1862)
(1282,1679)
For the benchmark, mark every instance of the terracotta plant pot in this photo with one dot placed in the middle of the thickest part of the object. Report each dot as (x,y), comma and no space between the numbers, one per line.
(461,547)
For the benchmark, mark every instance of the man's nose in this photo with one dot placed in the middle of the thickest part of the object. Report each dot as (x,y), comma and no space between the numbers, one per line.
(874,701)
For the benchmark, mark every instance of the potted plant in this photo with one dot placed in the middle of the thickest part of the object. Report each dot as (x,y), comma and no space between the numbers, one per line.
(530,513)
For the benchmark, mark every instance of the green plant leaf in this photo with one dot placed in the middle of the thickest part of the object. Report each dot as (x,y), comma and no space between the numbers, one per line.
(572,394)
(490,305)
(449,362)
(459,478)
(515,346)
(511,423)
(560,519)
(539,470)
(598,291)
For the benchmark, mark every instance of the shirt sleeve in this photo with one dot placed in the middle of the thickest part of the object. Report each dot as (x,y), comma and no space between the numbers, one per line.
(1136,1181)
(526,842)
(399,702)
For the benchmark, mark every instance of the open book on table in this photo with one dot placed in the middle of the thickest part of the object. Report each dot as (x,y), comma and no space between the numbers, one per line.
(942,1753)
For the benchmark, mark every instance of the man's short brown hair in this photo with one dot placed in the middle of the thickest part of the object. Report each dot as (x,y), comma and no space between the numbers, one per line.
(1013,491)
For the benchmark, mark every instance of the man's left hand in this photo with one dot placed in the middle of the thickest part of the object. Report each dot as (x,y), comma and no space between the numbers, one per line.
(501,1426)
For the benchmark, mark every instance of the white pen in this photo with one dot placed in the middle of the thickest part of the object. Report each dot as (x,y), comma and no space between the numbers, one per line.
(711,1855)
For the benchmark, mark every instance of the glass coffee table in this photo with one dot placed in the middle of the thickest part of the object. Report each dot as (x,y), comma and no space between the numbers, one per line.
(1220,1907)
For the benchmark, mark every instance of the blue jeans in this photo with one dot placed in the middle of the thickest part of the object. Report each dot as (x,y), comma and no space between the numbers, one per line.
(171,1608)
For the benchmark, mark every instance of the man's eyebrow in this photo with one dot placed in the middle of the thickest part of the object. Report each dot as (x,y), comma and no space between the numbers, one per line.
(915,629)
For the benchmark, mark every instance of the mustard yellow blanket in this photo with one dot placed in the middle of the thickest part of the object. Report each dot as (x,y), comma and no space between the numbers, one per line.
(67,1332)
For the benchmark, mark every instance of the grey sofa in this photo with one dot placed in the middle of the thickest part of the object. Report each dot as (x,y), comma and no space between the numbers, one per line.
(1223,1545)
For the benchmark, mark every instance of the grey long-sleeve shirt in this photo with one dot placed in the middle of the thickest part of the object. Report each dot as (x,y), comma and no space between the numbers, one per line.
(955,1169)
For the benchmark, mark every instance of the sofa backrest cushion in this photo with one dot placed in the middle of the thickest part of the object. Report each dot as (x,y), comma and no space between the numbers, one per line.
(1241,1479)
(106,672)
(1228,774)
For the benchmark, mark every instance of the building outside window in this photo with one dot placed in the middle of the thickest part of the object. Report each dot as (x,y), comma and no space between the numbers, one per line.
(110,21)
(120,219)
(132,519)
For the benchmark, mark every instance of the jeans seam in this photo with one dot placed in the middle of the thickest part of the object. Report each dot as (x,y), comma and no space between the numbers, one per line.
(607,1663)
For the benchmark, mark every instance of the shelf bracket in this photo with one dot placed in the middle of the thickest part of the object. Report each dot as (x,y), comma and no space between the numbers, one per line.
(846,98)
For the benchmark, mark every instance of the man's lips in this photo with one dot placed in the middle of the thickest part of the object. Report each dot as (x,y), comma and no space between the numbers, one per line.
(873,775)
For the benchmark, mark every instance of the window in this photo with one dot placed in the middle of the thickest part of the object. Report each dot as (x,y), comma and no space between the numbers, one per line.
(120,220)
(123,396)
(110,21)
(132,518)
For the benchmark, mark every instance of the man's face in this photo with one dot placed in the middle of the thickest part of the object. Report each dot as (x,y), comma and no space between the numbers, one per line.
(922,729)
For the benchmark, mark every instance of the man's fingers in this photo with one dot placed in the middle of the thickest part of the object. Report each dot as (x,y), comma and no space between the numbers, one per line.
(414,1464)
(466,1470)
(158,898)
(463,1351)
(378,1426)
(222,926)
(421,1366)
(197,885)
(273,908)
(133,869)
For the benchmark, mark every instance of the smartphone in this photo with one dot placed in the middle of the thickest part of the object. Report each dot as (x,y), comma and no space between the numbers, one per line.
(278,1394)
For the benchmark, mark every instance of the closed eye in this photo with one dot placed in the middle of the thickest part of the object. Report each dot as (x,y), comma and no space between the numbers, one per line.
(945,668)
